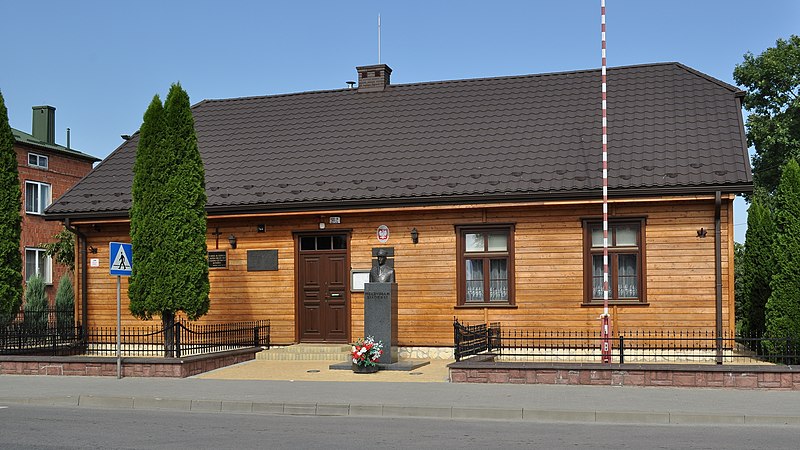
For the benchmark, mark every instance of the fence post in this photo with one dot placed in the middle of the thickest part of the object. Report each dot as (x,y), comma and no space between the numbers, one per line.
(255,336)
(621,349)
(786,353)
(456,352)
(177,327)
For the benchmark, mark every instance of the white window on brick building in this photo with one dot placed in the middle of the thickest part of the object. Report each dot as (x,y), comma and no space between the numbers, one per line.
(35,160)
(37,197)
(38,263)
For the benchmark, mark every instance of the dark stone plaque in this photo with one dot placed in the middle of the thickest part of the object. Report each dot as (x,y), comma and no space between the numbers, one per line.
(217,259)
(389,251)
(259,260)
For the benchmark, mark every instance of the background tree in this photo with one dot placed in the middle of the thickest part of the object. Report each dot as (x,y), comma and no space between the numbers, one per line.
(63,249)
(738,284)
(772,80)
(36,306)
(10,220)
(65,305)
(783,306)
(168,225)
(756,266)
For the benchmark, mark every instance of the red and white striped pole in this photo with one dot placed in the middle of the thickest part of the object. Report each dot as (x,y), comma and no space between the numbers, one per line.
(605,332)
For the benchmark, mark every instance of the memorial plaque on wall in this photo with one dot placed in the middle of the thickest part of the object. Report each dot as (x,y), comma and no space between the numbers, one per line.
(258,260)
(217,259)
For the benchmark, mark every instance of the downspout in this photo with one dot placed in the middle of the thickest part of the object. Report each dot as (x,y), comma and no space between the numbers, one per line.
(83,282)
(718,271)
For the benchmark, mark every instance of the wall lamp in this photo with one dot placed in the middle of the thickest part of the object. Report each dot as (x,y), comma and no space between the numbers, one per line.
(232,240)
(92,249)
(702,232)
(414,235)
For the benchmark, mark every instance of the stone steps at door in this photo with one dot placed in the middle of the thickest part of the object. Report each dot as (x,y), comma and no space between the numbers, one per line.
(307,352)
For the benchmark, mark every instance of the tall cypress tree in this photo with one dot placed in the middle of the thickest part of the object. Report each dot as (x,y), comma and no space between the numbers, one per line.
(146,211)
(783,306)
(168,217)
(10,221)
(757,265)
(185,221)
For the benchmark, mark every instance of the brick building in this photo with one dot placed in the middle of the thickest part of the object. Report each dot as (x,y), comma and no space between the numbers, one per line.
(46,171)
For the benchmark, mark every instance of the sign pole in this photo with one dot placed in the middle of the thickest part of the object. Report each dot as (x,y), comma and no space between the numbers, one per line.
(119,336)
(120,264)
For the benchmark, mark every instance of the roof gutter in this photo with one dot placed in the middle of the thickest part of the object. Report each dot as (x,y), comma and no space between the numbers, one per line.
(315,207)
(718,272)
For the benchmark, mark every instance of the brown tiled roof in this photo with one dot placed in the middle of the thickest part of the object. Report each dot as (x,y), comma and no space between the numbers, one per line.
(671,130)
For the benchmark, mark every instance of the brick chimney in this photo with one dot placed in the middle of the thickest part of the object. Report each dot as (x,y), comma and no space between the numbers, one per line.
(44,124)
(373,78)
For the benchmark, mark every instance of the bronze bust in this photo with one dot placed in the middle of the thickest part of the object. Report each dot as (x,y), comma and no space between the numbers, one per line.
(381,273)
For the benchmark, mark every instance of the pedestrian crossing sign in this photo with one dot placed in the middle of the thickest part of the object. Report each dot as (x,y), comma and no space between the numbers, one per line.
(121,259)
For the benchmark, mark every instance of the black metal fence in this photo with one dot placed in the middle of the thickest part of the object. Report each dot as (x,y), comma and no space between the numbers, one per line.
(48,332)
(188,339)
(54,332)
(632,346)
(474,339)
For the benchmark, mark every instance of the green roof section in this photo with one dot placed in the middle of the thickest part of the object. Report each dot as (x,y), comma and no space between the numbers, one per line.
(24,138)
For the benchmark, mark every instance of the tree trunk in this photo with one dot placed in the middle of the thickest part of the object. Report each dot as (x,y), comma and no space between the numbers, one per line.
(168,321)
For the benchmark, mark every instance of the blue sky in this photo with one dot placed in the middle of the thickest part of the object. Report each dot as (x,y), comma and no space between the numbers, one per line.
(100,62)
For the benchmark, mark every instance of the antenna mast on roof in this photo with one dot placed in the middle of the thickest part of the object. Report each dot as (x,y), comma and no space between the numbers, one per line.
(606,345)
(379,38)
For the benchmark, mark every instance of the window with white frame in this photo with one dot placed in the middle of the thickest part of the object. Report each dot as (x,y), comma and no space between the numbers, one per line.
(37,197)
(38,263)
(36,160)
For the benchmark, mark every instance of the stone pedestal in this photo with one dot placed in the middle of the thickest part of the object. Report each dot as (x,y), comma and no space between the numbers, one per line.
(380,317)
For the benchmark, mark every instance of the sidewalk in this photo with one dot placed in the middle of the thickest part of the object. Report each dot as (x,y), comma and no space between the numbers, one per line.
(235,389)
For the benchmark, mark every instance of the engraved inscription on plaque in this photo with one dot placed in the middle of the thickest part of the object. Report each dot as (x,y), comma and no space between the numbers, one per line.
(217,259)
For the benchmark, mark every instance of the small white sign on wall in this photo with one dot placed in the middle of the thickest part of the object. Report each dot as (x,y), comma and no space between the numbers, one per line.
(358,278)
(94,262)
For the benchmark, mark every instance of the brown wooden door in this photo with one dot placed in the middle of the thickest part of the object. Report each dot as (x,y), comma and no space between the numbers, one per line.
(322,275)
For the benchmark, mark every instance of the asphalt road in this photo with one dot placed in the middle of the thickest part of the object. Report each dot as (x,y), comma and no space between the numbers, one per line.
(35,427)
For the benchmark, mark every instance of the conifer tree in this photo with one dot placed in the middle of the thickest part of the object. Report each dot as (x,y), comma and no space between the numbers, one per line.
(783,306)
(186,204)
(145,213)
(10,220)
(168,217)
(36,305)
(757,262)
(65,304)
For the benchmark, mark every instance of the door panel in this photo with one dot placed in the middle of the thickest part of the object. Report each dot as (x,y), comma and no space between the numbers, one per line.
(336,298)
(310,313)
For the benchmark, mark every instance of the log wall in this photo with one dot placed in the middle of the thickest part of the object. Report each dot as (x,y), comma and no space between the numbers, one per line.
(549,269)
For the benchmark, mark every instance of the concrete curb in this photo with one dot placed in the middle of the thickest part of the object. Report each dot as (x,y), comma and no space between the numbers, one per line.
(438,412)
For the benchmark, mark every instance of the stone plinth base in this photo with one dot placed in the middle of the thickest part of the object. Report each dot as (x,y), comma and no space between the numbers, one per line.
(380,317)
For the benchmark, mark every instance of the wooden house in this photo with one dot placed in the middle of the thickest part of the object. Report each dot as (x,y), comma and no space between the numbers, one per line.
(488,190)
